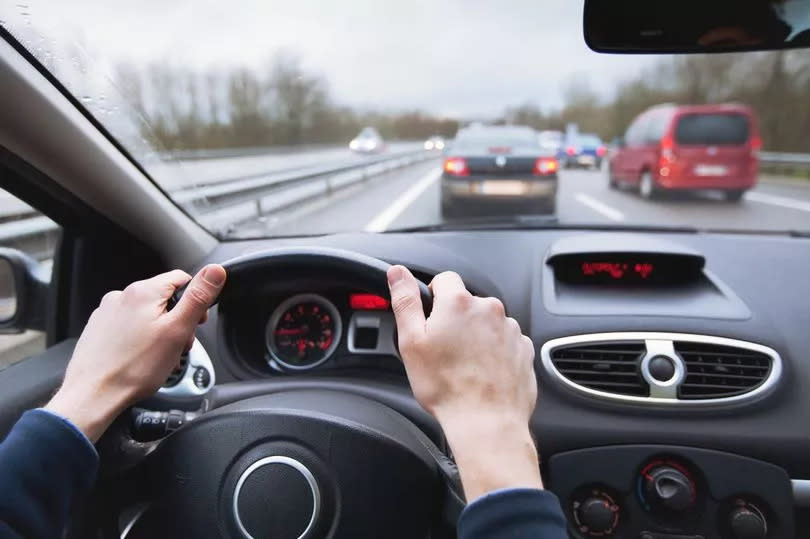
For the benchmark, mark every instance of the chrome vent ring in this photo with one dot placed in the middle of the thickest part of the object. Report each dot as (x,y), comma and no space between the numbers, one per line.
(668,369)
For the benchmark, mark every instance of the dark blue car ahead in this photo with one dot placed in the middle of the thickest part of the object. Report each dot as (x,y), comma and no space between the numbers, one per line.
(585,150)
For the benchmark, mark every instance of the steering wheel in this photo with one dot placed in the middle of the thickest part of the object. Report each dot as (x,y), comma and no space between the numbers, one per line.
(303,464)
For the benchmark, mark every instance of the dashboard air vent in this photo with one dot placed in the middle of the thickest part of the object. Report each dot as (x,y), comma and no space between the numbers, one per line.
(714,371)
(178,372)
(610,367)
(652,368)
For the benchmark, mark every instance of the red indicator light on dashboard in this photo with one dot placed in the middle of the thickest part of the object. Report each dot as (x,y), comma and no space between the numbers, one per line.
(368,302)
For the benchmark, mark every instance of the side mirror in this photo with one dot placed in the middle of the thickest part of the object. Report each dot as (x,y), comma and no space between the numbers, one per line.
(23,292)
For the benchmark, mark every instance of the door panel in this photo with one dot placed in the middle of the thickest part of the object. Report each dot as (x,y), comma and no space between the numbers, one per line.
(30,383)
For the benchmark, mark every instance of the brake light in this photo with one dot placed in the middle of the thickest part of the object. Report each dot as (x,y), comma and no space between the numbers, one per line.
(756,146)
(601,151)
(545,166)
(667,150)
(456,166)
(667,144)
(500,149)
(570,150)
(368,302)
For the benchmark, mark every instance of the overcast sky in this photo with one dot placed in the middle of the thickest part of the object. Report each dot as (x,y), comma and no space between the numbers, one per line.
(451,57)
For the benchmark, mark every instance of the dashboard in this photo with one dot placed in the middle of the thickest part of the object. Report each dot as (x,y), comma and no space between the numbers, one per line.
(671,366)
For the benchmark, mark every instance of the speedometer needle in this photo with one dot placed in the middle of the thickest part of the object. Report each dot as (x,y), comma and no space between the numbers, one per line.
(290,331)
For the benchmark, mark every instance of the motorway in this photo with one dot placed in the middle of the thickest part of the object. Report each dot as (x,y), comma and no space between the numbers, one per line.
(410,197)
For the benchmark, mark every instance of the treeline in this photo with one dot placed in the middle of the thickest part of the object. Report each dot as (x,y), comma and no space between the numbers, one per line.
(775,84)
(285,104)
(282,105)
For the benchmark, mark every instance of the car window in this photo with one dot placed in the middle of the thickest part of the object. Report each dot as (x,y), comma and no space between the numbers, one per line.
(485,138)
(712,129)
(657,127)
(589,141)
(25,229)
(635,134)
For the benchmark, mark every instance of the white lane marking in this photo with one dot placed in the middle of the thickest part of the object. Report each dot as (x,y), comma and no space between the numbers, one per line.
(611,213)
(383,219)
(778,201)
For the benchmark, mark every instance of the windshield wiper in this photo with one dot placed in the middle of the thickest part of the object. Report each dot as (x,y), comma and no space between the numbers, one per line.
(487,223)
(535,222)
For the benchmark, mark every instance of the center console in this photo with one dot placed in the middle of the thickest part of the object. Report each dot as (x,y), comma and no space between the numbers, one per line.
(664,492)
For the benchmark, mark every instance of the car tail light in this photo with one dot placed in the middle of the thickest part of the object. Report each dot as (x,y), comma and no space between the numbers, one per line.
(667,155)
(601,151)
(570,150)
(500,149)
(756,146)
(667,146)
(545,166)
(456,166)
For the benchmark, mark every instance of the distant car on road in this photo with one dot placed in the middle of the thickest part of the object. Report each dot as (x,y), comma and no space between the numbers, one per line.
(689,147)
(368,141)
(434,143)
(496,170)
(583,150)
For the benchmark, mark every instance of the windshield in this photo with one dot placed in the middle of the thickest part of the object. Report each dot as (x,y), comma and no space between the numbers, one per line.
(589,141)
(368,133)
(290,118)
(494,139)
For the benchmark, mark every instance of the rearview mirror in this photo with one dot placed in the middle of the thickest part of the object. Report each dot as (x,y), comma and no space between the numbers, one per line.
(23,292)
(692,26)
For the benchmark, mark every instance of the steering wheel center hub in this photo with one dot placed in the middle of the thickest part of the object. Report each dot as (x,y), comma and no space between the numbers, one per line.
(276,496)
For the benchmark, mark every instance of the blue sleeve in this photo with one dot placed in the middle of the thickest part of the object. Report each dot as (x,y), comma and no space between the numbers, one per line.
(46,465)
(511,513)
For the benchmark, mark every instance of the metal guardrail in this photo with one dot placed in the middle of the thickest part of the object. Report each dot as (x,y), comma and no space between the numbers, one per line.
(224,153)
(779,158)
(223,205)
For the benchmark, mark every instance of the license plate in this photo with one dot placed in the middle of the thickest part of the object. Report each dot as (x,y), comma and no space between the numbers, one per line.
(504,187)
(586,159)
(711,170)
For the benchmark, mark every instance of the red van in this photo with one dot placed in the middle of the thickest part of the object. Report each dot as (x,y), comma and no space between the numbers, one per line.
(689,147)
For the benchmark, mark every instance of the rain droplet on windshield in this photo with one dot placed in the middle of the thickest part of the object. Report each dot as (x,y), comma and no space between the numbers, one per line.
(87,99)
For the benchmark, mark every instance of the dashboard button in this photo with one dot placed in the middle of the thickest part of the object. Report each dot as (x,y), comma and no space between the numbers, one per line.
(667,488)
(748,522)
(596,514)
(202,377)
(661,368)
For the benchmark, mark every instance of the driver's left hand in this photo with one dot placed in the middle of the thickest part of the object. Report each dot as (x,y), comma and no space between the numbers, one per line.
(131,344)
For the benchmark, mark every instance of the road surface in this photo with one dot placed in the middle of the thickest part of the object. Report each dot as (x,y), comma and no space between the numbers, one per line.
(410,197)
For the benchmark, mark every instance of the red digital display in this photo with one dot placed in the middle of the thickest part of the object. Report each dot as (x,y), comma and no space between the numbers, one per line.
(368,302)
(618,270)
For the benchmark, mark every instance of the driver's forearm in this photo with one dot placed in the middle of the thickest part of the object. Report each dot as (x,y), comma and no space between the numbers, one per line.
(492,455)
(46,466)
(500,472)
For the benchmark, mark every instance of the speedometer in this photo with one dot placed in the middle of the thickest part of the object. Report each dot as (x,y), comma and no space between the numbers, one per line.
(303,331)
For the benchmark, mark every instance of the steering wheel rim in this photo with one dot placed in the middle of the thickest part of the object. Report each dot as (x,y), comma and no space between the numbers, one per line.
(368,270)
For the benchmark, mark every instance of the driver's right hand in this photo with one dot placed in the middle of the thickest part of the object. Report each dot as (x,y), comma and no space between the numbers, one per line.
(471,367)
